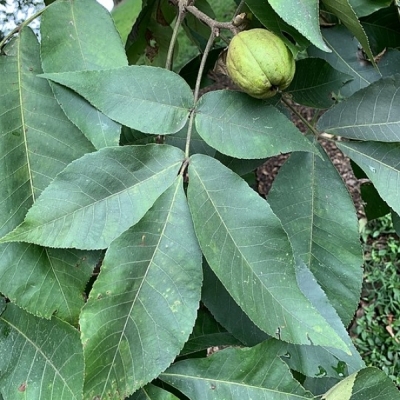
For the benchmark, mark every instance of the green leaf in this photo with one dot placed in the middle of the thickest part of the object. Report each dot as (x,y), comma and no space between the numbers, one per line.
(348,58)
(151,392)
(85,49)
(37,141)
(369,383)
(99,196)
(125,14)
(39,359)
(272,21)
(143,305)
(322,361)
(343,10)
(374,206)
(309,360)
(304,16)
(44,281)
(380,162)
(207,332)
(363,8)
(239,126)
(227,312)
(246,247)
(245,374)
(315,81)
(383,29)
(372,113)
(197,144)
(317,212)
(396,222)
(149,99)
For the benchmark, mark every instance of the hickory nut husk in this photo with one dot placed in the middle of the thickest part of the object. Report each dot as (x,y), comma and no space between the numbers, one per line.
(259,63)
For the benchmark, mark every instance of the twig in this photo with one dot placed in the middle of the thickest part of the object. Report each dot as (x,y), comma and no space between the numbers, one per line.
(239,7)
(197,88)
(210,22)
(309,126)
(19,27)
(179,19)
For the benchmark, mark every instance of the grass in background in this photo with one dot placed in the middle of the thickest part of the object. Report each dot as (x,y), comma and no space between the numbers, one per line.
(376,329)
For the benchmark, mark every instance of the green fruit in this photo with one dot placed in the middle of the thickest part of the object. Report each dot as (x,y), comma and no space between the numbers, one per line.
(260,63)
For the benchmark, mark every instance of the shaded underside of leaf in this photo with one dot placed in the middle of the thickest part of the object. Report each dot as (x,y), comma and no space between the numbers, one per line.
(34,352)
(317,212)
(44,281)
(99,196)
(143,305)
(149,99)
(372,113)
(246,247)
(207,333)
(249,373)
(315,81)
(380,162)
(71,42)
(237,125)
(152,392)
(347,57)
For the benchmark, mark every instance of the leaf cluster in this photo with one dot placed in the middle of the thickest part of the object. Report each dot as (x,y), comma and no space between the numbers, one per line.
(130,243)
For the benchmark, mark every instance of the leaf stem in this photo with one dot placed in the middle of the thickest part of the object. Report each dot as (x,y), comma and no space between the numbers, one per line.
(309,126)
(214,32)
(22,25)
(179,19)
(211,22)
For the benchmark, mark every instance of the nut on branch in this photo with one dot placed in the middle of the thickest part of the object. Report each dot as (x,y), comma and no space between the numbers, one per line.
(259,63)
